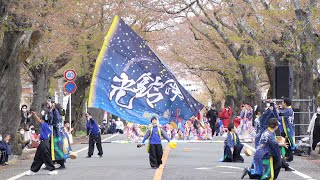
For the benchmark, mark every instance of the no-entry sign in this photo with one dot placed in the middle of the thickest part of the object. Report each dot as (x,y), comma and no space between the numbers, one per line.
(70,87)
(70,75)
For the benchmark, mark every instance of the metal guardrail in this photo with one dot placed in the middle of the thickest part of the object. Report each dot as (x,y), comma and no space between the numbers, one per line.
(311,110)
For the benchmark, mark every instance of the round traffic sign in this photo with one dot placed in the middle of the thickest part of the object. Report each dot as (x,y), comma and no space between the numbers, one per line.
(70,75)
(70,87)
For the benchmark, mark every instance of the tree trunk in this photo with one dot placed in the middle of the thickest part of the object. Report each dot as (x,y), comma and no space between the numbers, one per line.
(230,102)
(40,74)
(10,83)
(78,101)
(40,88)
(250,81)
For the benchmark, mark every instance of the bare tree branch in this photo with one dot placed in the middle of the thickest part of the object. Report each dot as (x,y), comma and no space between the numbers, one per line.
(181,10)
(59,62)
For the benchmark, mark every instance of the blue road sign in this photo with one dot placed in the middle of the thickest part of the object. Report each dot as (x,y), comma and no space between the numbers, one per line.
(70,87)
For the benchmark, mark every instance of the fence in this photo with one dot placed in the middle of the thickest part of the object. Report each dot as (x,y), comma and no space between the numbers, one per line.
(303,111)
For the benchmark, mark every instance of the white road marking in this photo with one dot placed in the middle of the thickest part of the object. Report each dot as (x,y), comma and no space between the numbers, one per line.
(102,141)
(304,176)
(203,168)
(24,173)
(195,141)
(231,167)
(228,172)
(301,174)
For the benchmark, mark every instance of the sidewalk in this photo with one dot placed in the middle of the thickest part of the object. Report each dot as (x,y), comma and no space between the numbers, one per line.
(29,153)
(315,155)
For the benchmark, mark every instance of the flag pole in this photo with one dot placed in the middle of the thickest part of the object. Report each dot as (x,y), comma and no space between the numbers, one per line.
(70,111)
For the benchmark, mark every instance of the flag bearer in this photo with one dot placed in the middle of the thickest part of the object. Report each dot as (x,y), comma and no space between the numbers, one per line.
(154,147)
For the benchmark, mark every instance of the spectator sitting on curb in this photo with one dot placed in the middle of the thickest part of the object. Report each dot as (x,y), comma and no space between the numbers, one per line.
(119,126)
(19,142)
(112,128)
(5,149)
(35,139)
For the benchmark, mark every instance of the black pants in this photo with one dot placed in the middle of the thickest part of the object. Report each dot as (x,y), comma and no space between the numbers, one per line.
(95,139)
(316,136)
(155,155)
(289,153)
(236,153)
(234,156)
(212,126)
(43,155)
(284,164)
(3,156)
(120,131)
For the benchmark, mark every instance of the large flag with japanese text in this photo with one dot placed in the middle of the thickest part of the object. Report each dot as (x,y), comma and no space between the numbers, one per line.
(130,81)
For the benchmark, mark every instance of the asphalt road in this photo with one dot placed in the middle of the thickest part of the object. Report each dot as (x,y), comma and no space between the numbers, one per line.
(126,161)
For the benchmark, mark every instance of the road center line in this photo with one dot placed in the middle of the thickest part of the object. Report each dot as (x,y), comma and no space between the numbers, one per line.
(24,173)
(158,173)
(304,176)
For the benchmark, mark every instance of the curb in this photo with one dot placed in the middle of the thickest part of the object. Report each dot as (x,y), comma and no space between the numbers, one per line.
(26,153)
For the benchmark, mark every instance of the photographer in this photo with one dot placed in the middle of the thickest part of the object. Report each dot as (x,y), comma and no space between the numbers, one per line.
(52,113)
(94,135)
(25,117)
(287,127)
(270,112)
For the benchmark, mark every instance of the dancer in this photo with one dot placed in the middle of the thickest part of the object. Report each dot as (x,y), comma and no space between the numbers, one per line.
(94,136)
(155,148)
(232,146)
(43,154)
(267,159)
(287,127)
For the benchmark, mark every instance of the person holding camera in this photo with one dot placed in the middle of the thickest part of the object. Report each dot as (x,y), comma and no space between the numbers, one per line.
(94,135)
(59,135)
(287,127)
(25,117)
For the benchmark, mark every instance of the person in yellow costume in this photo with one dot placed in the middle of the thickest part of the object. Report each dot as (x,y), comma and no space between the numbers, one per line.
(155,147)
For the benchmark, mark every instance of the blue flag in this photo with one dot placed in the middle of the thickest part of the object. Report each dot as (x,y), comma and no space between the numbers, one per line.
(130,81)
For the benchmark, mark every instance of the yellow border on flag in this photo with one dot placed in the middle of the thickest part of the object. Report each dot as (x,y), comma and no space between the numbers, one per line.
(104,49)
(52,145)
